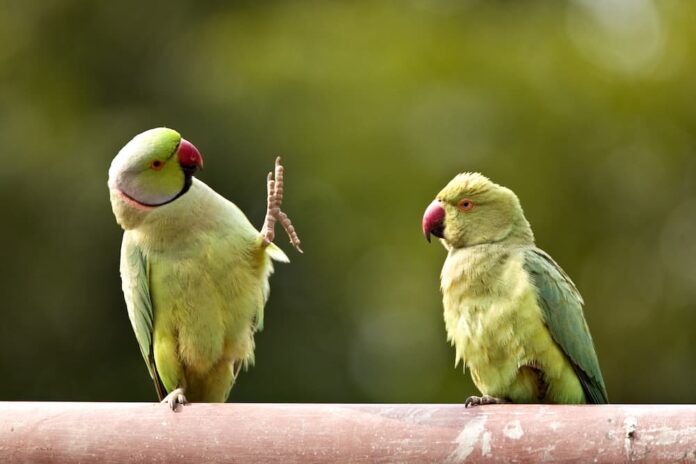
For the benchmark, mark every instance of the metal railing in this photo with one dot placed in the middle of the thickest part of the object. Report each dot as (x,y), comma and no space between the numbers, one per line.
(105,433)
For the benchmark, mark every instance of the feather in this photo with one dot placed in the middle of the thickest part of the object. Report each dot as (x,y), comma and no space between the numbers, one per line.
(561,306)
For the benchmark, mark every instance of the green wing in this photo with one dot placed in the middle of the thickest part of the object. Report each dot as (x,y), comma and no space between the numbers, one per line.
(136,290)
(561,305)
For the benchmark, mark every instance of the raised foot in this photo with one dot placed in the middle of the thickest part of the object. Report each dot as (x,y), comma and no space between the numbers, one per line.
(175,398)
(273,211)
(482,400)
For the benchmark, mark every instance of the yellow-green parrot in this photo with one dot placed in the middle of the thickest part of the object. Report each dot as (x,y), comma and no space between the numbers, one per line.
(513,315)
(194,270)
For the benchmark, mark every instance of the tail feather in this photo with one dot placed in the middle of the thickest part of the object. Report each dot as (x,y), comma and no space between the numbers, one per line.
(276,253)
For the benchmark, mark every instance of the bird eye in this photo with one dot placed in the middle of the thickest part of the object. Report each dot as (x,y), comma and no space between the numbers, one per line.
(465,204)
(156,165)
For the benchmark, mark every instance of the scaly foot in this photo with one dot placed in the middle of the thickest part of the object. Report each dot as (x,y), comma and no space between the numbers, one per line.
(175,398)
(273,211)
(482,400)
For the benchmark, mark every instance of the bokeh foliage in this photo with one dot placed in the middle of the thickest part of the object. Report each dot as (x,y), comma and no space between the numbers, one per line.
(586,109)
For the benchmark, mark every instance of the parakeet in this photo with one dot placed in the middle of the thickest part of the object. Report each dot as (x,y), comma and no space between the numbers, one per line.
(194,270)
(513,315)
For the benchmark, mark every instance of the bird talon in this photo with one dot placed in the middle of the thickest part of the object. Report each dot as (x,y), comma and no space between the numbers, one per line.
(472,401)
(483,400)
(274,214)
(176,398)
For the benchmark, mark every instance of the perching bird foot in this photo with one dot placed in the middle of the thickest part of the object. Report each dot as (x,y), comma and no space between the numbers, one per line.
(482,400)
(175,398)
(273,211)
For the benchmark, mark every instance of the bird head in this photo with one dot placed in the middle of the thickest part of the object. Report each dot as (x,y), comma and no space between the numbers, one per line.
(472,210)
(154,168)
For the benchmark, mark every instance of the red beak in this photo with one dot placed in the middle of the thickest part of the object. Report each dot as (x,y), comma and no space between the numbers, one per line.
(433,220)
(190,158)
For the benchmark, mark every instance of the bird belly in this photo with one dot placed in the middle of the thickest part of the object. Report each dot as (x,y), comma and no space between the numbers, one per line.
(204,311)
(500,335)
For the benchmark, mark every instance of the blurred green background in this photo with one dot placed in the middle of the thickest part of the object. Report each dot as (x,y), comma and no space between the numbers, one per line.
(587,109)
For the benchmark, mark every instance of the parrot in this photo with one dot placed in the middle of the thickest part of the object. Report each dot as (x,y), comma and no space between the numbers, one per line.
(194,270)
(513,315)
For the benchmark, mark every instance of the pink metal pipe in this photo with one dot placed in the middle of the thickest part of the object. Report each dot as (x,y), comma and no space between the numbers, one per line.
(107,433)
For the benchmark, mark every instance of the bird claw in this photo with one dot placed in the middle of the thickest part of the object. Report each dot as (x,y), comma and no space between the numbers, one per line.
(176,398)
(273,211)
(483,400)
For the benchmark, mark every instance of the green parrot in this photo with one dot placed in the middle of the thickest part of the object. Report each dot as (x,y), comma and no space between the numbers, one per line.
(513,315)
(194,270)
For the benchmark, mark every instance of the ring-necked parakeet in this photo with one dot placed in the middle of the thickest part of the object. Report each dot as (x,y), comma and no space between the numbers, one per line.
(194,270)
(513,315)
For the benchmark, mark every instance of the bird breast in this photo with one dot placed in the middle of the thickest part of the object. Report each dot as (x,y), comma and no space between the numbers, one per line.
(490,311)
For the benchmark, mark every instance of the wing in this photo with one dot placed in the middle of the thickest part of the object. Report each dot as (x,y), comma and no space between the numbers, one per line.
(136,290)
(561,306)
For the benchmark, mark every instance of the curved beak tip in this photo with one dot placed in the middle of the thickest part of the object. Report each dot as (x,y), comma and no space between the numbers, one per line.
(189,156)
(433,220)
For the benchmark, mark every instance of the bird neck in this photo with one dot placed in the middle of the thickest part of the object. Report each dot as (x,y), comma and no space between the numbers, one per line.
(520,234)
(476,268)
(168,226)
